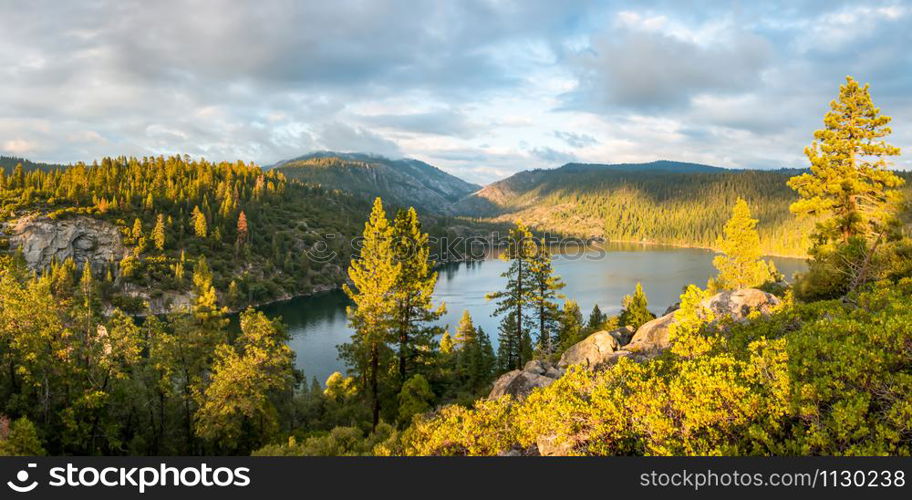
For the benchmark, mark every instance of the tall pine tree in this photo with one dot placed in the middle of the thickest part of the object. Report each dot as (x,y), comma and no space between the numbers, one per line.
(849,184)
(545,287)
(850,191)
(374,274)
(413,291)
(518,298)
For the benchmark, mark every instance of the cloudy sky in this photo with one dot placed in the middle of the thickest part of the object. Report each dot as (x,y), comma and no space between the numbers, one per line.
(480,88)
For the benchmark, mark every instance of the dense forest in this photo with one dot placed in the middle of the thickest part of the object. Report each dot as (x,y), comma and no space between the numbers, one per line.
(252,226)
(673,205)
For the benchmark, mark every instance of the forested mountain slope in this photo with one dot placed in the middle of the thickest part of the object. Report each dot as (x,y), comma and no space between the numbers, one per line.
(401,183)
(10,162)
(145,224)
(662,202)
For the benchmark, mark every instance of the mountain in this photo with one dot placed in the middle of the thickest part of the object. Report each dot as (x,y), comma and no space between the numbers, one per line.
(658,202)
(653,166)
(10,162)
(528,188)
(401,183)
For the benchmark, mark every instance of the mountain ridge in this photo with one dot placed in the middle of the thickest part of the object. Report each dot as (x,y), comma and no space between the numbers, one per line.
(402,182)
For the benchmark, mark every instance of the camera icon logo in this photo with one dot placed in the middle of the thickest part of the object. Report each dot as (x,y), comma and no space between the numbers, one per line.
(22,477)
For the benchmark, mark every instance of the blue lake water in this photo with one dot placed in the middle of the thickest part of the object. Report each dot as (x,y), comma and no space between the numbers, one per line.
(600,276)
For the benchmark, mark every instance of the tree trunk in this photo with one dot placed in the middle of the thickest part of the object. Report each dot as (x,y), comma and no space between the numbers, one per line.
(375,366)
(519,299)
(545,341)
(403,340)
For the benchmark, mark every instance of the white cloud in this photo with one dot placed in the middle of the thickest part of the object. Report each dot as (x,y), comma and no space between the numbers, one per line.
(481,89)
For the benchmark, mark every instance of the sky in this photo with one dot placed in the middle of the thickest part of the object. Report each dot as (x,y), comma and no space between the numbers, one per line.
(479,88)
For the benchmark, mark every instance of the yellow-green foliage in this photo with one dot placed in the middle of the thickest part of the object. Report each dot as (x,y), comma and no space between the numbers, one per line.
(340,441)
(486,429)
(849,182)
(739,264)
(823,378)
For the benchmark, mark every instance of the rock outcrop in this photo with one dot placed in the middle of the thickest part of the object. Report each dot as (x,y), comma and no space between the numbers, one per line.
(520,383)
(623,335)
(738,304)
(652,336)
(735,305)
(85,239)
(595,349)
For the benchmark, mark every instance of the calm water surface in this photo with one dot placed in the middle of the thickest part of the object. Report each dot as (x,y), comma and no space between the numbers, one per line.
(600,276)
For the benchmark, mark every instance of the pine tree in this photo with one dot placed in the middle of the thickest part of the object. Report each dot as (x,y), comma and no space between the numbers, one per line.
(466,348)
(205,304)
(179,267)
(508,348)
(465,333)
(89,299)
(596,319)
(199,223)
(413,291)
(158,232)
(517,300)
(545,289)
(22,440)
(374,274)
(18,178)
(446,344)
(486,361)
(415,398)
(571,325)
(849,184)
(234,295)
(242,229)
(236,411)
(137,231)
(635,310)
(739,265)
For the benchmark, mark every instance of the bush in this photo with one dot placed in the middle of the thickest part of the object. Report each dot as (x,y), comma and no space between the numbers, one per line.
(812,379)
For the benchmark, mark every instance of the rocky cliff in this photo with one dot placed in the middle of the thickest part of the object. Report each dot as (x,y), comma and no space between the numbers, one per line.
(43,240)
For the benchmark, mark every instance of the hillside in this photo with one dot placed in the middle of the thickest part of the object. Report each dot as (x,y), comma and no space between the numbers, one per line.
(400,183)
(660,202)
(145,224)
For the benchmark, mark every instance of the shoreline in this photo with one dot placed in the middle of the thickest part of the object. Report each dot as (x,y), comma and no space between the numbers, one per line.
(698,247)
(328,288)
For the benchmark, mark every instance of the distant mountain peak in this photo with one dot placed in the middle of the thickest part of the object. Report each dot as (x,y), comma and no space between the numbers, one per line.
(401,182)
(657,165)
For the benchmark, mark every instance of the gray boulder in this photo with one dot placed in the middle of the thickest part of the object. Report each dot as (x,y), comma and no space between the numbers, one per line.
(518,383)
(738,304)
(652,336)
(537,367)
(594,349)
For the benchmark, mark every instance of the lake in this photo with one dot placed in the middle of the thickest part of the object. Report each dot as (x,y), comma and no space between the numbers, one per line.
(600,275)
